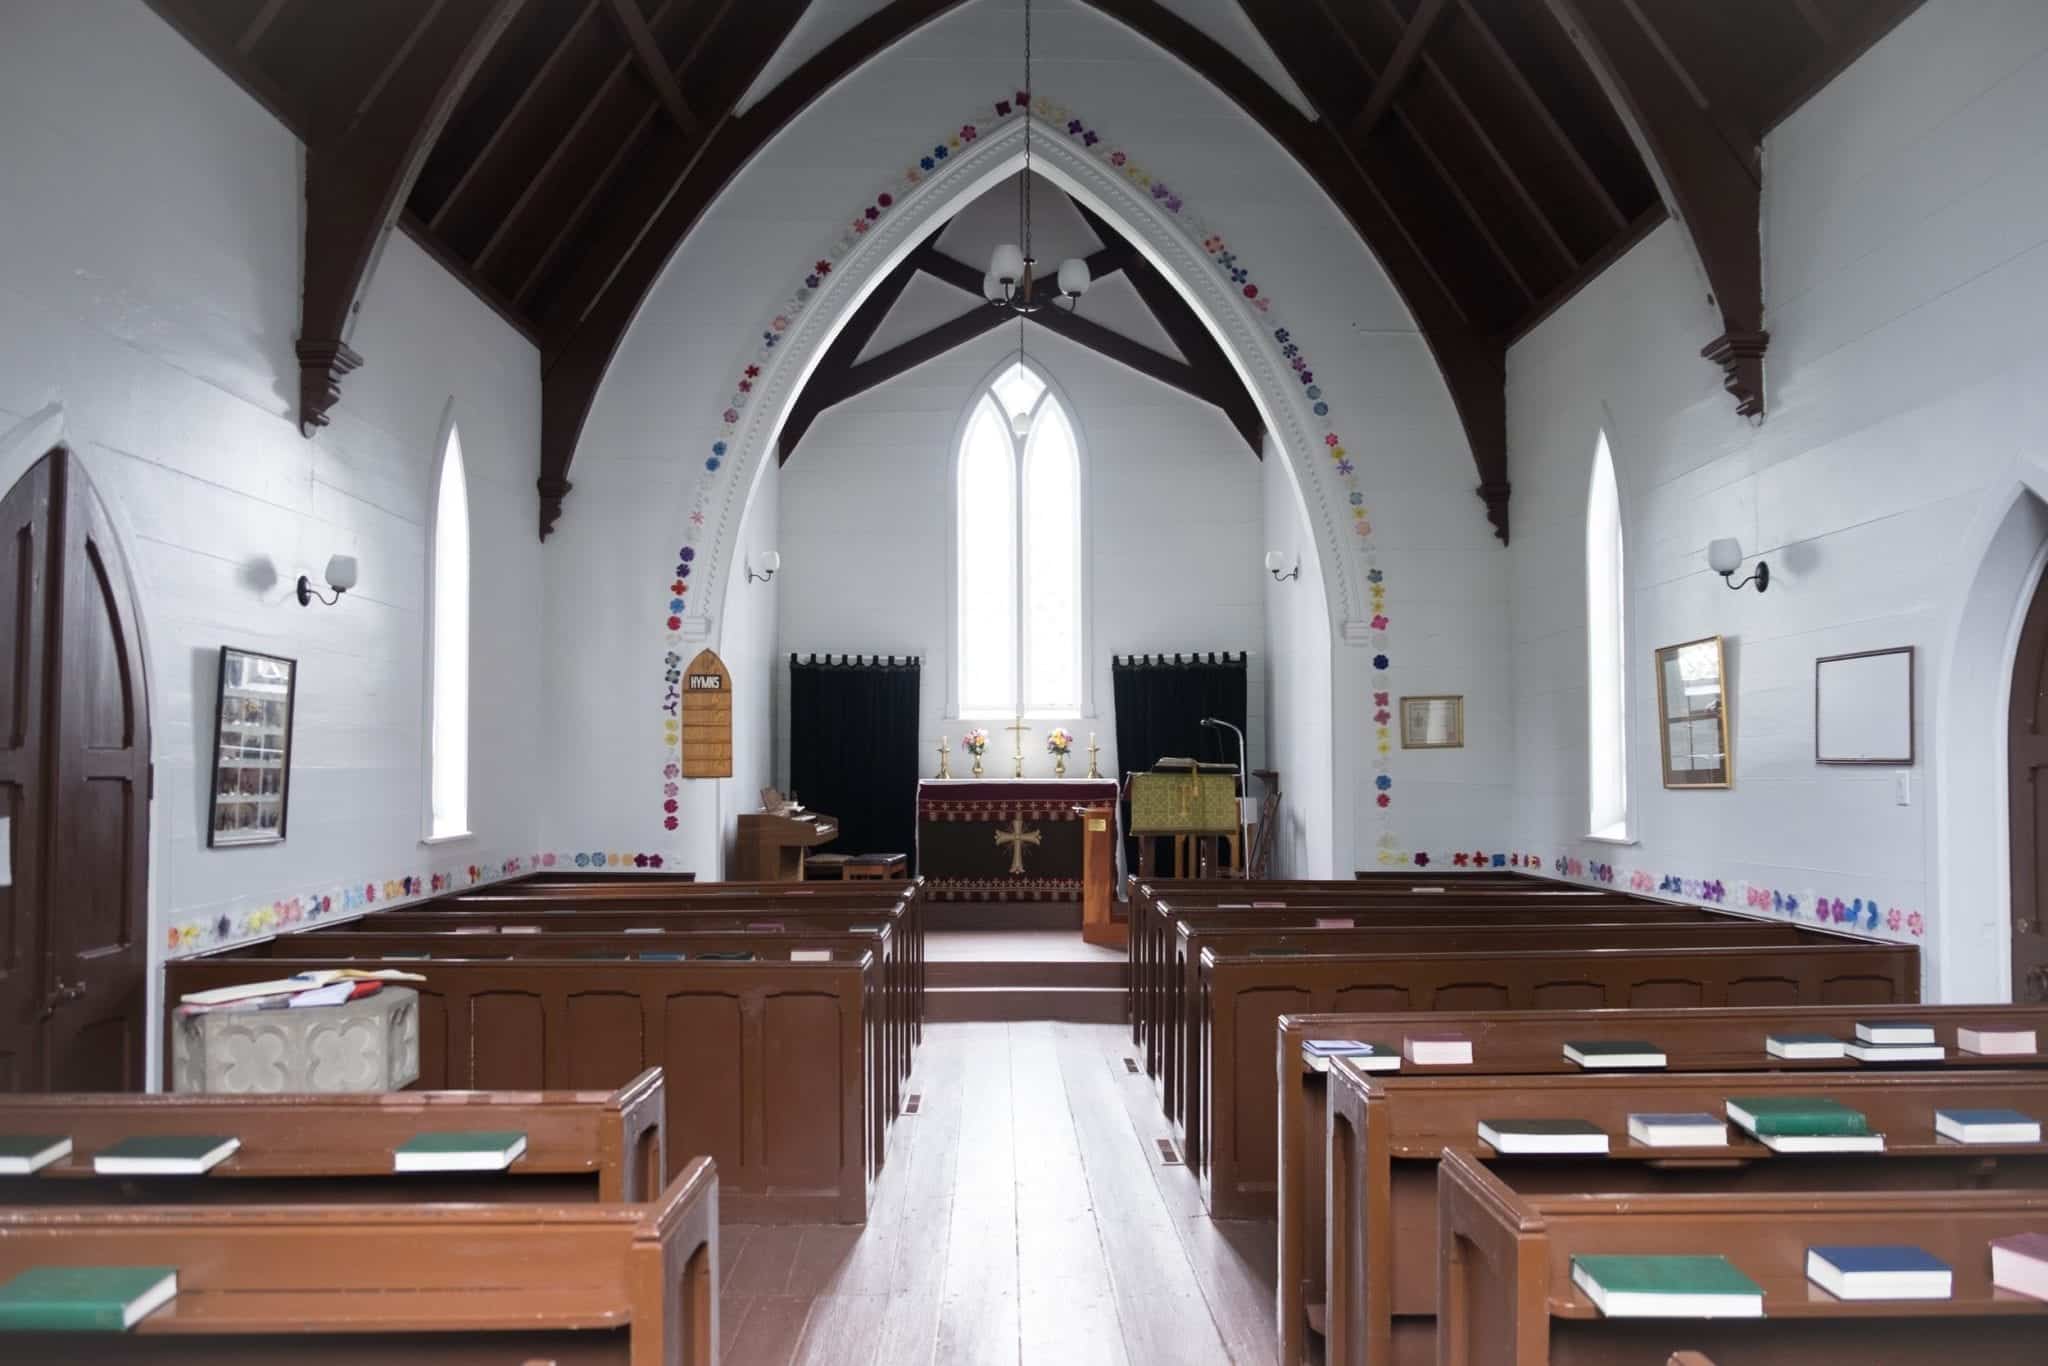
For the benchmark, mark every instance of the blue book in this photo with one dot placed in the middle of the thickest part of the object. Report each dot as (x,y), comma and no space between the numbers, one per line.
(1879,1272)
(1987,1126)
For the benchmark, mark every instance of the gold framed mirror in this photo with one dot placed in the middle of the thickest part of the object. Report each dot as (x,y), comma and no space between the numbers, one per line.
(1692,714)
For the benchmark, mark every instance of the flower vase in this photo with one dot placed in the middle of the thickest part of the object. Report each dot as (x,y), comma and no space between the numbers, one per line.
(1059,766)
(977,765)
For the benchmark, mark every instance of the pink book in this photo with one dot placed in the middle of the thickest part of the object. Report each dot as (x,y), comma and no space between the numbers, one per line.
(1995,1040)
(2020,1263)
(1437,1049)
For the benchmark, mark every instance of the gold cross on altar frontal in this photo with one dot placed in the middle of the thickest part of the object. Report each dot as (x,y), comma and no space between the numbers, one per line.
(1020,730)
(1017,837)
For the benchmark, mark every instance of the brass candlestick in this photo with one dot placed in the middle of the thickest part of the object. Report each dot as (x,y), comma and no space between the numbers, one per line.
(1094,752)
(945,762)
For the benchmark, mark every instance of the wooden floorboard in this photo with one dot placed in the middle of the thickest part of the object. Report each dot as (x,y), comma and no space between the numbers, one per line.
(1023,1216)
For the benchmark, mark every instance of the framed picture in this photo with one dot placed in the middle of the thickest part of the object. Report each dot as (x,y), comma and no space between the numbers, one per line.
(1433,722)
(1692,714)
(252,749)
(1863,707)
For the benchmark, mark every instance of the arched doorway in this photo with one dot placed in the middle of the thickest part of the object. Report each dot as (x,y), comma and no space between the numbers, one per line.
(74,791)
(2027,797)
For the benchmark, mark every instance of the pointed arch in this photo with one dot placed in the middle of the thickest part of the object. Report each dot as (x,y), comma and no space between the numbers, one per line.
(446,795)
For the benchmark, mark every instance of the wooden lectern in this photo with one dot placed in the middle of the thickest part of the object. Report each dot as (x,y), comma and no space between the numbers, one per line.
(1098,876)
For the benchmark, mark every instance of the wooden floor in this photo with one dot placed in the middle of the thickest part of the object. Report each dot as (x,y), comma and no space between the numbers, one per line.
(1024,1215)
(1016,946)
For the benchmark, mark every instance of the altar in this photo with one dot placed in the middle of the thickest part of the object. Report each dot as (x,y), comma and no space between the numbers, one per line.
(1016,840)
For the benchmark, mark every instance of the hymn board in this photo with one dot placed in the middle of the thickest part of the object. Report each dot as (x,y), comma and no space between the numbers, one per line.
(707,718)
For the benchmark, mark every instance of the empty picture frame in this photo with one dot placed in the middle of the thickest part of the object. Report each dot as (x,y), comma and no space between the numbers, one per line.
(1863,707)
(1433,722)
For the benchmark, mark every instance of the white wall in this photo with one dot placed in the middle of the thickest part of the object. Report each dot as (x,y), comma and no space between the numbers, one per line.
(643,454)
(1297,687)
(751,655)
(1905,234)
(149,297)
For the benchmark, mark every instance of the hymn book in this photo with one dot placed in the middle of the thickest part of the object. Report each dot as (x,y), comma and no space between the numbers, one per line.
(459,1150)
(24,1154)
(1897,1052)
(164,1155)
(1624,1287)
(1996,1041)
(1893,1031)
(1598,1053)
(1804,1046)
(2020,1263)
(1879,1273)
(1454,1050)
(1366,1057)
(1987,1126)
(1804,1124)
(1695,1130)
(67,1299)
(1546,1137)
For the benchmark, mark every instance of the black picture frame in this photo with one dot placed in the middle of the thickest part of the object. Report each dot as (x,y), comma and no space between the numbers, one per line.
(255,700)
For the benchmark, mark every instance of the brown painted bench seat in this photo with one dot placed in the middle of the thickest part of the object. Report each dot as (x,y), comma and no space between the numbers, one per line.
(769,1065)
(1504,1274)
(296,1149)
(1185,1073)
(1527,1044)
(628,1283)
(1386,1133)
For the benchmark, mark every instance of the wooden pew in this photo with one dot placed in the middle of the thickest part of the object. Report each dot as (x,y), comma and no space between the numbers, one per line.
(299,1149)
(1511,1043)
(1504,1274)
(1184,1075)
(1242,997)
(467,1283)
(1227,933)
(1151,926)
(541,877)
(769,1064)
(1386,1133)
(573,937)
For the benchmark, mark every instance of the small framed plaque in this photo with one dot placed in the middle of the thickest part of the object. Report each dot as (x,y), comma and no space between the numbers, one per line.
(1863,707)
(1433,722)
(252,749)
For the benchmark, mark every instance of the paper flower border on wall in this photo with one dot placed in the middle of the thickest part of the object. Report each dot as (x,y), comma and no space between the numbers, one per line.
(923,165)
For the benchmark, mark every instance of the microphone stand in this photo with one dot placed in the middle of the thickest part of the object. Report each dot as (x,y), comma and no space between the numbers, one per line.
(1244,834)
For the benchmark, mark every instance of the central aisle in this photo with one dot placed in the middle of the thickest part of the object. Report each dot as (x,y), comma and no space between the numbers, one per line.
(1025,1215)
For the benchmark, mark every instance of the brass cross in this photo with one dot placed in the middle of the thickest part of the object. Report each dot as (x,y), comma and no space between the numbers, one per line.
(1020,730)
(1017,837)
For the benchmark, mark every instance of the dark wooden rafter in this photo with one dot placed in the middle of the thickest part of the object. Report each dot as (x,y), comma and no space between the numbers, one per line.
(653,66)
(1398,66)
(1204,374)
(1715,189)
(1474,367)
(623,263)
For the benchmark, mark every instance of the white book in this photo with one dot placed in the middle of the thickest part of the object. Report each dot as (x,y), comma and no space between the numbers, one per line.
(1543,1137)
(1987,1126)
(28,1154)
(153,1155)
(1804,1046)
(459,1152)
(1593,1055)
(810,955)
(1436,1050)
(1822,1143)
(1698,1130)
(1317,1054)
(1897,1052)
(1996,1041)
(1879,1273)
(1893,1031)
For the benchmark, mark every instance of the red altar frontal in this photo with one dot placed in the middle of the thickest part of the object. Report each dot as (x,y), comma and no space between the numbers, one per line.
(994,840)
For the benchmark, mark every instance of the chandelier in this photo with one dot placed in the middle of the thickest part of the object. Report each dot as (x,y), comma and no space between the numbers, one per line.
(1009,283)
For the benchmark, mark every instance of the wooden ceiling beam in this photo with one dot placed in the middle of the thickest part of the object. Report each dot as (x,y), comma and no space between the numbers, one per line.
(827,384)
(654,67)
(1709,187)
(593,319)
(198,24)
(1398,68)
(259,24)
(1474,367)
(357,180)
(1108,260)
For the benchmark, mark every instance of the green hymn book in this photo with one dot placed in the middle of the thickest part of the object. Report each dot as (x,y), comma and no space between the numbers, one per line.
(459,1150)
(22,1154)
(1667,1287)
(164,1154)
(1797,1116)
(71,1299)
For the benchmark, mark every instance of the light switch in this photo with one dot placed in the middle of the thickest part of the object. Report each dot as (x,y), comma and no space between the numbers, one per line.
(1902,787)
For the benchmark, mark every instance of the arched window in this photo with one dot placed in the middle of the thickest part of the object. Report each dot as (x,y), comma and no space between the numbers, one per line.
(1019,629)
(1606,655)
(448,650)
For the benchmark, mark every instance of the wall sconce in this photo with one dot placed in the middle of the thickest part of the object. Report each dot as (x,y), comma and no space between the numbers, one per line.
(1725,557)
(1276,561)
(341,576)
(768,561)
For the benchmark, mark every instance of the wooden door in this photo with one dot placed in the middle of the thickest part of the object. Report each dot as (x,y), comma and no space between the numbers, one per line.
(80,772)
(2027,786)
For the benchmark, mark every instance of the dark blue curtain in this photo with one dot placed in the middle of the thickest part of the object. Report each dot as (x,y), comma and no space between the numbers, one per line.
(853,746)
(1160,703)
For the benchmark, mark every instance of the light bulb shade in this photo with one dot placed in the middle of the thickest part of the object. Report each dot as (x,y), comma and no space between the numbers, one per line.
(1021,424)
(991,288)
(1724,556)
(1275,561)
(1074,277)
(1006,262)
(769,561)
(341,572)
